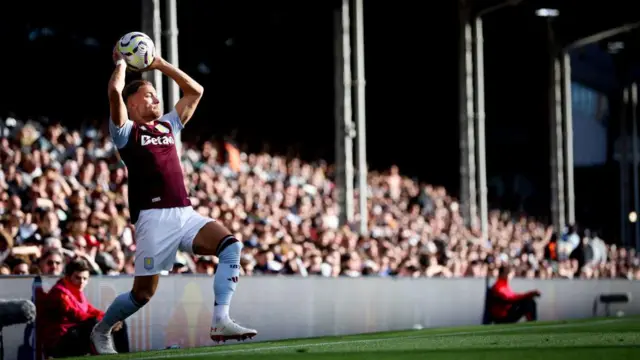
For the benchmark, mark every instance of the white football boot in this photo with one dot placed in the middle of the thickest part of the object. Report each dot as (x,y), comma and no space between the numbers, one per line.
(102,343)
(227,329)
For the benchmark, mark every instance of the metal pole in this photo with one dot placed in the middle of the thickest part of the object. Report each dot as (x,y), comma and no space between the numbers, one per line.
(568,136)
(338,82)
(634,156)
(468,194)
(480,114)
(553,160)
(624,167)
(559,149)
(157,40)
(555,133)
(152,25)
(603,35)
(361,118)
(349,127)
(172,56)
(344,119)
(470,130)
(479,110)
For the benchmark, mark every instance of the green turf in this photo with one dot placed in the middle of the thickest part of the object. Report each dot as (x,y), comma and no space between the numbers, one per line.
(617,338)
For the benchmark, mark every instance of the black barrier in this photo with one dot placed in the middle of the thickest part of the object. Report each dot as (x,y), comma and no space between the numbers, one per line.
(608,299)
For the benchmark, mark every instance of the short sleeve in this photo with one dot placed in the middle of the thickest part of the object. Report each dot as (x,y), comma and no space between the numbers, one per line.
(120,135)
(174,120)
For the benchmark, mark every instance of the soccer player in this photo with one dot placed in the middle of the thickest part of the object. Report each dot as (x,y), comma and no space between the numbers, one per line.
(159,204)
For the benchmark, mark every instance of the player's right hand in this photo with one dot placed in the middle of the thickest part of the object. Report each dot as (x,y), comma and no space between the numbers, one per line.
(116,54)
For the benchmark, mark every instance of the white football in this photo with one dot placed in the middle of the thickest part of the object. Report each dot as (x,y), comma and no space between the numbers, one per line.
(138,50)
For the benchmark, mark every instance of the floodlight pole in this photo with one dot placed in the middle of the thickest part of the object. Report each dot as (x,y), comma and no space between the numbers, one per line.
(345,129)
(468,194)
(360,116)
(630,96)
(172,56)
(152,26)
(479,112)
(634,157)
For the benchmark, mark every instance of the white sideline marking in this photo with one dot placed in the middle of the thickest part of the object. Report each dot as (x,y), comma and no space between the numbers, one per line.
(363,341)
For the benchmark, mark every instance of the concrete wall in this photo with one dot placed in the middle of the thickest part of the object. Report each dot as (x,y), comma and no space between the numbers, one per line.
(288,307)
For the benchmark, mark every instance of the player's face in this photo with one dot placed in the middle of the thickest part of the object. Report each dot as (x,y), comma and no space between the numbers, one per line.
(145,105)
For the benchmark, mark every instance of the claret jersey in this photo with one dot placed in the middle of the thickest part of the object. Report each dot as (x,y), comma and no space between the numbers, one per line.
(149,152)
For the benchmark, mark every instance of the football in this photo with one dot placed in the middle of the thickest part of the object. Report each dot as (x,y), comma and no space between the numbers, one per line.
(137,49)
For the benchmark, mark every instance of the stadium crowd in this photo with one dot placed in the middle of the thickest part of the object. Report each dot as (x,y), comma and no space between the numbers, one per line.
(63,195)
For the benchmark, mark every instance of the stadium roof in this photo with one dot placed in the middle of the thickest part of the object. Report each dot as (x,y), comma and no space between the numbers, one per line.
(577,18)
(595,62)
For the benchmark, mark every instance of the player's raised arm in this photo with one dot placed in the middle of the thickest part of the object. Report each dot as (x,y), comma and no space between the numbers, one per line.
(117,106)
(191,90)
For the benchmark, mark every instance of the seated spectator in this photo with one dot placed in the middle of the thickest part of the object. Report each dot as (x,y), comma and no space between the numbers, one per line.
(69,318)
(505,306)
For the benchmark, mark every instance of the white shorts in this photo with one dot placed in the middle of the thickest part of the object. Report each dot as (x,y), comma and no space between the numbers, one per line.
(160,233)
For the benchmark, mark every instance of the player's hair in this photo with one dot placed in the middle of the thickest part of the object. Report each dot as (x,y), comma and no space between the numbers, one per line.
(132,88)
(76,265)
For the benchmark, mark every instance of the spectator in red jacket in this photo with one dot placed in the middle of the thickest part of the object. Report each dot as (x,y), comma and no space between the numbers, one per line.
(69,317)
(507,306)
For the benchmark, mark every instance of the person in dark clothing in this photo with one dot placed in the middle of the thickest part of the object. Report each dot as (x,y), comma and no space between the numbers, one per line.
(68,317)
(505,306)
(583,253)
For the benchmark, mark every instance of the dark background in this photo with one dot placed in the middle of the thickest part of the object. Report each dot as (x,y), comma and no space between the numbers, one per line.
(268,70)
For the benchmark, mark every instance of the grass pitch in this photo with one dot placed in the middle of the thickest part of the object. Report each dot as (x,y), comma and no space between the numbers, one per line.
(613,338)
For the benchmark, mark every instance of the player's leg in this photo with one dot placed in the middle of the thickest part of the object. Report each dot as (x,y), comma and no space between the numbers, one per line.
(203,236)
(157,233)
(127,304)
(124,305)
(215,239)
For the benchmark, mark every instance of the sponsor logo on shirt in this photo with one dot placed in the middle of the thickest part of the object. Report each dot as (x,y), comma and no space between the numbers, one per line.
(157,140)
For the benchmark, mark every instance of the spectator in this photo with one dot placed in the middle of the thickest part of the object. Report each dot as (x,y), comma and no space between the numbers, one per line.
(583,254)
(599,250)
(505,306)
(52,263)
(6,243)
(69,317)
(21,268)
(66,193)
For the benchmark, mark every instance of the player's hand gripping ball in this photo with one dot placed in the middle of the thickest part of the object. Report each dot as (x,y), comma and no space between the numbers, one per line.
(137,49)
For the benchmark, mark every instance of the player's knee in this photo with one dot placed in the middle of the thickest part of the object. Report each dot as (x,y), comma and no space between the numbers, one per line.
(229,249)
(236,247)
(142,294)
(141,297)
(210,239)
